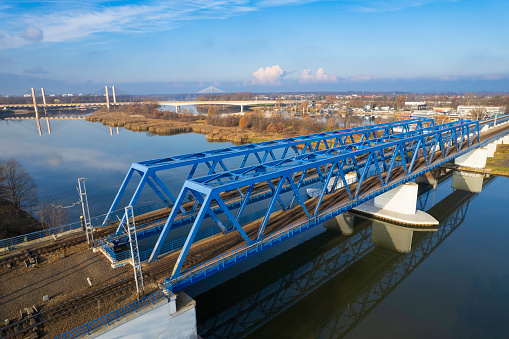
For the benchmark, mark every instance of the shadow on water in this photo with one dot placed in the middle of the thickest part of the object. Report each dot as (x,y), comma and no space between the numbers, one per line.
(325,286)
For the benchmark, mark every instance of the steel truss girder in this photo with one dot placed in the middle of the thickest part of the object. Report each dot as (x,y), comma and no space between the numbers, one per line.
(286,169)
(212,158)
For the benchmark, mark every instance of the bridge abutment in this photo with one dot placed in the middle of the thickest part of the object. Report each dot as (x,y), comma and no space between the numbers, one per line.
(168,318)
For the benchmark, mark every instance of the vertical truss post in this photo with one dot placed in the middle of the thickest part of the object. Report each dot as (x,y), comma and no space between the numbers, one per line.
(82,190)
(192,233)
(119,195)
(135,253)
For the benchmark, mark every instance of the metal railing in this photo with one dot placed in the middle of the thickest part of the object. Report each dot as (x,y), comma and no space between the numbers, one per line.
(25,238)
(114,316)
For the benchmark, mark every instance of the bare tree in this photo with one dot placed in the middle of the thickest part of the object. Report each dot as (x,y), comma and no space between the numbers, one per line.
(400,102)
(52,214)
(478,113)
(330,100)
(17,185)
(347,117)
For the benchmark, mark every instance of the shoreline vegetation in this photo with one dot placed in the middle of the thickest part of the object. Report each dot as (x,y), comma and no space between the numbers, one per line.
(499,164)
(248,128)
(15,221)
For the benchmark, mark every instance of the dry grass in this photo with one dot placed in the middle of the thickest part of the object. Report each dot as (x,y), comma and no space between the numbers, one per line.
(499,164)
(140,123)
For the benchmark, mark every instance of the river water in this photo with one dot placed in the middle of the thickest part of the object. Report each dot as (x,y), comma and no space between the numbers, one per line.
(322,284)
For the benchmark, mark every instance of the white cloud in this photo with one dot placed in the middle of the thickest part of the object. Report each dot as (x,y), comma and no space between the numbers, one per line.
(495,76)
(32,34)
(270,75)
(320,76)
(60,22)
(377,6)
(35,70)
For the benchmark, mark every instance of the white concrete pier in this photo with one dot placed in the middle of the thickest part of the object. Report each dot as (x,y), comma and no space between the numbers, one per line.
(474,159)
(467,181)
(394,237)
(397,205)
(343,223)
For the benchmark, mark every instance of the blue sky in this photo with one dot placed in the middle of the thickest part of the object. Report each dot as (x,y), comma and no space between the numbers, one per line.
(271,45)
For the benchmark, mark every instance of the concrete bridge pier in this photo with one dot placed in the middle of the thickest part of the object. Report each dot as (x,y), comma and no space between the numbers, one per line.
(467,181)
(343,223)
(393,237)
(431,177)
(475,158)
(397,205)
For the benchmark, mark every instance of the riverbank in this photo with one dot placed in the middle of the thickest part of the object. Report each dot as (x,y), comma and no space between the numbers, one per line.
(14,221)
(140,123)
(499,164)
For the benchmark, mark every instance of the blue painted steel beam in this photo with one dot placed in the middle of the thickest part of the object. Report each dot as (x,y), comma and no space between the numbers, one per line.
(212,158)
(401,144)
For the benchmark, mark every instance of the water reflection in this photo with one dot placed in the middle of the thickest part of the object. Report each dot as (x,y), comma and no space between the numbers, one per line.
(78,148)
(324,287)
(467,181)
(395,237)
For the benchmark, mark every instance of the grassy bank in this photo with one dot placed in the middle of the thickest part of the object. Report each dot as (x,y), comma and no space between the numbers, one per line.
(140,123)
(14,221)
(499,164)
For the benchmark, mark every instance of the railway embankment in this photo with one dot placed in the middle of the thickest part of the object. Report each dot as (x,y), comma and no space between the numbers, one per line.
(499,163)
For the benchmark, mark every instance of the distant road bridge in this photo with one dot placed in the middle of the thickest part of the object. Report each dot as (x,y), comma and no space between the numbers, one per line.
(166,103)
(66,104)
(241,103)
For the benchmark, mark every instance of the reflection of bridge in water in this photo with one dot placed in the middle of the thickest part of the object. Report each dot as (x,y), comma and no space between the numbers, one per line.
(361,273)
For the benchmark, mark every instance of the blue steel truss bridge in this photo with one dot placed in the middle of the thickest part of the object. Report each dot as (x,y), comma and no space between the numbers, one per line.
(270,178)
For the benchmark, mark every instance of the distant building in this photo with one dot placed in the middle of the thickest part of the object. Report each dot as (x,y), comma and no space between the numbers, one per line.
(490,110)
(443,109)
(416,105)
(423,113)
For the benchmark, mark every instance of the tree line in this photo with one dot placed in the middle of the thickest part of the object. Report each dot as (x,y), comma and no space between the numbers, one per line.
(19,199)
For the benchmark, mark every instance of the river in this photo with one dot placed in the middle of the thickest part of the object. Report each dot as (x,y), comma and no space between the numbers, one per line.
(324,284)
